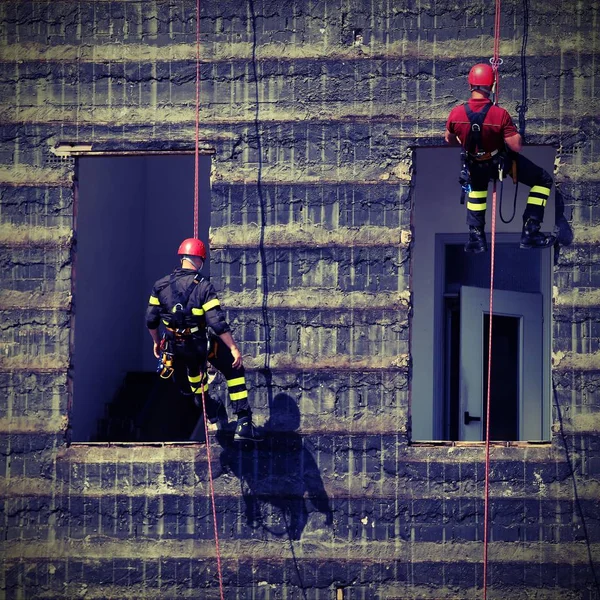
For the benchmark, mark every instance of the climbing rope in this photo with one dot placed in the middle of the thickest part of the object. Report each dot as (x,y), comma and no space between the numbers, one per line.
(196,204)
(488,397)
(212,490)
(496,61)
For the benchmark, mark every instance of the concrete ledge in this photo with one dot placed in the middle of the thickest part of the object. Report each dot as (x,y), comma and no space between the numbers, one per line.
(102,548)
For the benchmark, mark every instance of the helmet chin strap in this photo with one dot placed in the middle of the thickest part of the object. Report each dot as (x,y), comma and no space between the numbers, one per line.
(191,259)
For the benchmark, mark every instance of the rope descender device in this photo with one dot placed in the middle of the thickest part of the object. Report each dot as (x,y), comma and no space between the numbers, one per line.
(496,62)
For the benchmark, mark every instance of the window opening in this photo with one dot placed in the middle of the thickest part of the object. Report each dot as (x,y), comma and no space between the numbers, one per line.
(131,214)
(441,271)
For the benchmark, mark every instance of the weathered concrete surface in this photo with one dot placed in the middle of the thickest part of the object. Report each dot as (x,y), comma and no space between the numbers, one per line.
(312,197)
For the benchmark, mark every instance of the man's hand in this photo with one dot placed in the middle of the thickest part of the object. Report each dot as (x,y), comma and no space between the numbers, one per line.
(235,351)
(451,139)
(237,357)
(155,335)
(514,142)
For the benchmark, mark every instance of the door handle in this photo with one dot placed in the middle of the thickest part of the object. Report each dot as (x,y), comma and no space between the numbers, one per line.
(469,418)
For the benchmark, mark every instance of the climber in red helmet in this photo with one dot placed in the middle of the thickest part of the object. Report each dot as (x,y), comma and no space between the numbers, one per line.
(185,303)
(491,143)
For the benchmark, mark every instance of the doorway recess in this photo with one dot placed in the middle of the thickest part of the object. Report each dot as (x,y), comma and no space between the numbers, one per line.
(132,211)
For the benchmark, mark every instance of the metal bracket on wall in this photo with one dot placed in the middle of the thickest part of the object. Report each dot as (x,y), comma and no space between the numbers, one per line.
(65,150)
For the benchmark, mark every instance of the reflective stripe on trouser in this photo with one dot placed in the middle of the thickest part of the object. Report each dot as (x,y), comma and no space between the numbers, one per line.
(528,173)
(196,383)
(540,183)
(477,200)
(220,358)
(237,391)
(538,195)
(476,207)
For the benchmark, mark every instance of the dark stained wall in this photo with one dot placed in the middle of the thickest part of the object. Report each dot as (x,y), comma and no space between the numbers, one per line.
(311,246)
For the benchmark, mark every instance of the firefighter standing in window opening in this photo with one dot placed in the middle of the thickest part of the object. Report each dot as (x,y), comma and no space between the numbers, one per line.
(491,147)
(186,304)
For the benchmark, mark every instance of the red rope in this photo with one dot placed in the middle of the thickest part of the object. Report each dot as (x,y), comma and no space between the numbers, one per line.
(212,489)
(197,147)
(496,62)
(488,402)
(497,32)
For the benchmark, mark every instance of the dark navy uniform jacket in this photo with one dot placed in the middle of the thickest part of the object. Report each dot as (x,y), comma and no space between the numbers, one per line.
(203,303)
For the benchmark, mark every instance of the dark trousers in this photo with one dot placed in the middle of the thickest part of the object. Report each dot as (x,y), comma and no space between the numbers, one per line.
(528,173)
(192,354)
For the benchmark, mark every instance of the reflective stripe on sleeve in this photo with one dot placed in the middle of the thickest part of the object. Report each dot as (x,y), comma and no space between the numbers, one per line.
(198,312)
(154,301)
(211,304)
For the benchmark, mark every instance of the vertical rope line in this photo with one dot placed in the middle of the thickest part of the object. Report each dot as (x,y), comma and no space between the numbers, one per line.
(486,500)
(197,136)
(497,31)
(496,61)
(573,476)
(522,107)
(488,402)
(212,489)
(263,214)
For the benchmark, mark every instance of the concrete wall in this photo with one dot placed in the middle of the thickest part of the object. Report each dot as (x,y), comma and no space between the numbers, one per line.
(311,242)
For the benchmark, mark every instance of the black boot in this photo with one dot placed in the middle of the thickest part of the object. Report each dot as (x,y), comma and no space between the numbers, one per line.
(246,431)
(532,237)
(477,242)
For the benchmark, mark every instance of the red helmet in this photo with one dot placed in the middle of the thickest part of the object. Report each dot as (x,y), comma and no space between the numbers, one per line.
(192,247)
(481,74)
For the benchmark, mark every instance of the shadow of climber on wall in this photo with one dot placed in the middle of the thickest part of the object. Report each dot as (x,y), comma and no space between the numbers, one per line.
(562,227)
(280,473)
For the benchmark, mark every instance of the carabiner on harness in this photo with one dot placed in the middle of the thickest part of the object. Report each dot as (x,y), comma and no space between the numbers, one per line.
(165,363)
(464,178)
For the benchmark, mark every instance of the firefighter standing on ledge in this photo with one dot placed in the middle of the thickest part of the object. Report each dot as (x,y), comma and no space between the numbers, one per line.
(491,143)
(187,304)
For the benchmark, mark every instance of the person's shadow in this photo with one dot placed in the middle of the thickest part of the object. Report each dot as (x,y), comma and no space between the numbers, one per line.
(562,228)
(278,472)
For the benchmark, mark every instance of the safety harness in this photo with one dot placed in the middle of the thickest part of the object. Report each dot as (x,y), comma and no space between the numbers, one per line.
(473,149)
(178,320)
(502,159)
(473,143)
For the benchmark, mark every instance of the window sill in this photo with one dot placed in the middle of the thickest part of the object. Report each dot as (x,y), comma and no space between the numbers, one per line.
(473,444)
